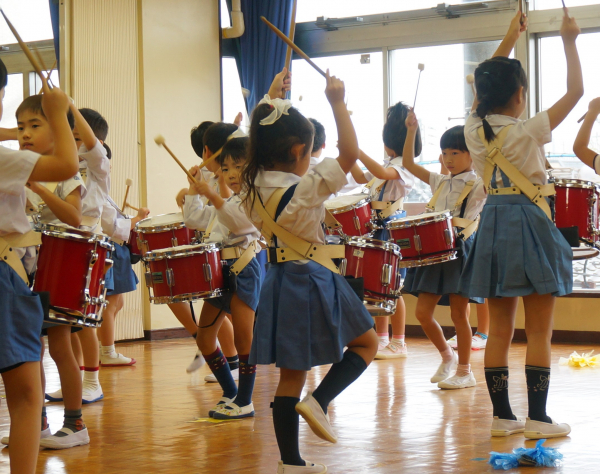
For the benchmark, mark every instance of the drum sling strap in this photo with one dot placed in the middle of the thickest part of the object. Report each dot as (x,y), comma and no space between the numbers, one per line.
(521,185)
(13,241)
(467,226)
(298,249)
(87,221)
(385,208)
(243,256)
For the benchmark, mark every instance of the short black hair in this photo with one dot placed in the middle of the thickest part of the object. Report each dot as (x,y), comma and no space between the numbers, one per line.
(98,124)
(33,103)
(394,130)
(234,149)
(3,75)
(320,137)
(216,135)
(454,139)
(197,137)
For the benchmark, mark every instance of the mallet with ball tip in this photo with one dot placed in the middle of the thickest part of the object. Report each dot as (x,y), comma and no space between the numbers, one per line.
(160,141)
(471,81)
(421,69)
(128,184)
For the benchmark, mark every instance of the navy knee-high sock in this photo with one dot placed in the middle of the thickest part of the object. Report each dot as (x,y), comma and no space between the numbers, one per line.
(246,383)
(497,384)
(286,422)
(220,368)
(339,377)
(538,382)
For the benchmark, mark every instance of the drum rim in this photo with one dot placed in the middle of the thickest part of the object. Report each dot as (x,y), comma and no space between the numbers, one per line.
(350,207)
(412,262)
(208,247)
(426,218)
(216,293)
(160,228)
(576,183)
(52,230)
(384,244)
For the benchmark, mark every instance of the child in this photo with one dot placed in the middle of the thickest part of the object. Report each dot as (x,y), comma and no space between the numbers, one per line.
(518,251)
(318,143)
(21,313)
(307,313)
(229,226)
(479,340)
(462,193)
(582,141)
(388,185)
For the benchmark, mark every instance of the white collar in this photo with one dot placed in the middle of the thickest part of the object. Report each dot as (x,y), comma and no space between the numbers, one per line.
(499,119)
(465,176)
(276,179)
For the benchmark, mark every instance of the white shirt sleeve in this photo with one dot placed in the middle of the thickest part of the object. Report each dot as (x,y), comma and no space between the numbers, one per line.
(68,186)
(97,161)
(232,216)
(318,185)
(196,215)
(538,128)
(15,168)
(407,180)
(476,200)
(115,225)
(435,179)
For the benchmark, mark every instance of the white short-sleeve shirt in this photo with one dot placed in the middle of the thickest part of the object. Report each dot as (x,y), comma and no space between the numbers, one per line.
(452,187)
(394,188)
(97,167)
(523,147)
(63,189)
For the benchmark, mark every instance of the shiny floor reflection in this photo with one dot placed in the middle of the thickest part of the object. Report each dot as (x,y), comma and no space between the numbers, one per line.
(392,420)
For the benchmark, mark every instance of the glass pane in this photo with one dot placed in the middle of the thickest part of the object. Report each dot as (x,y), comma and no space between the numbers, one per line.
(364,95)
(31,19)
(233,99)
(309,10)
(444,97)
(553,77)
(13,96)
(35,83)
(225,20)
(550,4)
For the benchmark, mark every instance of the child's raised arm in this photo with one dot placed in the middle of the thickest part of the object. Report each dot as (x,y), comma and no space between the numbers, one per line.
(582,141)
(282,82)
(377,169)
(408,154)
(347,141)
(559,111)
(85,131)
(358,174)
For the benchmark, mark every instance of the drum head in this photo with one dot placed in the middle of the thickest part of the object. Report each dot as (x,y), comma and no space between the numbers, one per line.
(420,219)
(583,253)
(348,201)
(366,242)
(575,183)
(162,220)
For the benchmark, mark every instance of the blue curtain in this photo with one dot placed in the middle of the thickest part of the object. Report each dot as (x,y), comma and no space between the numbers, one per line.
(262,53)
(54,17)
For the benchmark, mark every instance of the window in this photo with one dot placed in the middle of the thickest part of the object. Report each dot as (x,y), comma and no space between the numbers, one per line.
(444,97)
(233,99)
(550,4)
(363,77)
(552,83)
(12,99)
(34,27)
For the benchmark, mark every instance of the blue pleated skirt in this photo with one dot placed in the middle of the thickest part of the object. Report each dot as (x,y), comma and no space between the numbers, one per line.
(442,278)
(306,316)
(122,279)
(247,285)
(518,251)
(21,317)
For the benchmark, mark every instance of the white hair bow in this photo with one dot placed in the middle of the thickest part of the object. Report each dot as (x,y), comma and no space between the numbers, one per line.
(280,107)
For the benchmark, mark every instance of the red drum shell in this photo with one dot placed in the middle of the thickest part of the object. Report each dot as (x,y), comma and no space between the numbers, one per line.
(187,267)
(434,231)
(151,241)
(354,221)
(576,204)
(134,247)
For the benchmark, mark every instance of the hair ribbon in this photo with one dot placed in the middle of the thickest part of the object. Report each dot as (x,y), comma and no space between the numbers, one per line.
(280,107)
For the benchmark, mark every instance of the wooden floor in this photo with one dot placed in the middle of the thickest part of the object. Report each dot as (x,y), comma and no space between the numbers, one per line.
(391,420)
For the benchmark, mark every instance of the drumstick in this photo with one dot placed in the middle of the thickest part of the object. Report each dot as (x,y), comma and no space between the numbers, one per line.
(582,117)
(522,12)
(212,157)
(128,183)
(160,141)
(288,53)
(131,207)
(24,47)
(48,72)
(421,68)
(291,44)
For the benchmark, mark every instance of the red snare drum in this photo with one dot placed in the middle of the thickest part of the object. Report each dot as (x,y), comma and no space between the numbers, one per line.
(424,239)
(576,204)
(133,243)
(376,262)
(163,231)
(185,273)
(353,212)
(71,266)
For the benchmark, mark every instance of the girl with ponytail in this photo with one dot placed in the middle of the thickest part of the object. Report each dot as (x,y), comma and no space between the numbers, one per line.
(518,251)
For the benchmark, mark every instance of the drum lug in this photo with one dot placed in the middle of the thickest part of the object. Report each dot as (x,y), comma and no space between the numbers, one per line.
(148,277)
(207,272)
(356,222)
(170,277)
(417,240)
(343,266)
(88,277)
(174,242)
(386,274)
(448,237)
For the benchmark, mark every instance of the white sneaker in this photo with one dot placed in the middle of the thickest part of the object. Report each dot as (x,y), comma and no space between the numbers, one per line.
(115,360)
(502,427)
(458,381)
(478,343)
(235,373)
(73,438)
(310,468)
(393,350)
(318,421)
(446,369)
(54,396)
(453,342)
(43,434)
(196,363)
(223,402)
(91,393)
(233,412)
(540,430)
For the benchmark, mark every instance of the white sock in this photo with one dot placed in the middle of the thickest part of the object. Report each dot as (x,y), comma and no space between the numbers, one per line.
(398,340)
(90,377)
(384,339)
(107,350)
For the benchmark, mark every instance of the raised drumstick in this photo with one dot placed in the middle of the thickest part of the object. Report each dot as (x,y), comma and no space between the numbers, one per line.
(291,44)
(128,183)
(288,53)
(24,47)
(131,207)
(582,117)
(421,69)
(160,141)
